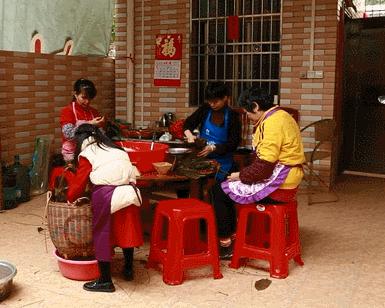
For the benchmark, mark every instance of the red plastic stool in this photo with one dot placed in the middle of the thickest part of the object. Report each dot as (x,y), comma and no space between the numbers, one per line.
(183,248)
(272,235)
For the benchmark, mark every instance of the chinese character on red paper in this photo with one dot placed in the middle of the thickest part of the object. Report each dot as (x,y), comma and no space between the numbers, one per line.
(168,46)
(168,55)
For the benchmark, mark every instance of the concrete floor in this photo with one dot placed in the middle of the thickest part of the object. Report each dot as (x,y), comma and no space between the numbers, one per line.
(343,250)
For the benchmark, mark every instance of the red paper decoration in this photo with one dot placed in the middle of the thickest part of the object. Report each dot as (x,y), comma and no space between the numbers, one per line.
(233,28)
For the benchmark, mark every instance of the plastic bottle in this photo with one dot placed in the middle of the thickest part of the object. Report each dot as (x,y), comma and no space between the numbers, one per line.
(40,165)
(23,182)
(10,191)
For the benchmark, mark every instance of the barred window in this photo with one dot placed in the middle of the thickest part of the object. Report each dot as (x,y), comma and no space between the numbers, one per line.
(250,59)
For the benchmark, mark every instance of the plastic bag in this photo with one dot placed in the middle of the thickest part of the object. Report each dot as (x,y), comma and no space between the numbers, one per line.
(40,164)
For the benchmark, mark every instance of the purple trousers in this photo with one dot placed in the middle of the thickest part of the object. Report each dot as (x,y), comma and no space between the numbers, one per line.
(101,221)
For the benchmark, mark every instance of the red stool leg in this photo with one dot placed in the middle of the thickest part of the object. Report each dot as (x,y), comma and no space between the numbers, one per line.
(172,267)
(294,234)
(279,265)
(298,260)
(213,246)
(155,241)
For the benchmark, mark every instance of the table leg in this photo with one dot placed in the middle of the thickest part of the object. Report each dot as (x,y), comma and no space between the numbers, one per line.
(195,188)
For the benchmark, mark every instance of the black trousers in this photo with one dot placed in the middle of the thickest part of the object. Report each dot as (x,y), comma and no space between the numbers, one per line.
(225,212)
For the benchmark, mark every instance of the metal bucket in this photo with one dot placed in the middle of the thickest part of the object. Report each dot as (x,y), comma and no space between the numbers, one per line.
(7,272)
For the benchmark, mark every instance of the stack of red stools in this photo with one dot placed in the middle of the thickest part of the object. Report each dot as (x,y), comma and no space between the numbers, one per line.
(268,232)
(176,242)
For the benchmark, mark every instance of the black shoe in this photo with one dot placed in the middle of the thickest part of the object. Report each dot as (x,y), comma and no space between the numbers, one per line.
(128,274)
(96,286)
(225,253)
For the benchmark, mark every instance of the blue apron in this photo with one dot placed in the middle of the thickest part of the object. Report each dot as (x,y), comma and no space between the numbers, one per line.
(218,135)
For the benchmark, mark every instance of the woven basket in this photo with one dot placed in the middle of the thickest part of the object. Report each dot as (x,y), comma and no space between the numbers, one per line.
(70,227)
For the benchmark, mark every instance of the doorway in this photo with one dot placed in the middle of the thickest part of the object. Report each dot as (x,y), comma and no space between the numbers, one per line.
(364,81)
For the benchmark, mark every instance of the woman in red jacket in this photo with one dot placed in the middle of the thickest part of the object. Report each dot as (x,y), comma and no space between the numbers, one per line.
(76,113)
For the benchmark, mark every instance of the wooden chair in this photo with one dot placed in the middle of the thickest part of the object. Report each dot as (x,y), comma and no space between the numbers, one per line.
(324,132)
(293,112)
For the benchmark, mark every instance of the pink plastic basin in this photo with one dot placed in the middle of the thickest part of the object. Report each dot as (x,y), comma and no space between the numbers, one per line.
(77,270)
(141,155)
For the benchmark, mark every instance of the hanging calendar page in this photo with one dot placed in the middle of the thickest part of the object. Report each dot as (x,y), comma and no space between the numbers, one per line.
(168,55)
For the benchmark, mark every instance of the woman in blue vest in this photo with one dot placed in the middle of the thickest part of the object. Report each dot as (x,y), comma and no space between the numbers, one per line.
(219,125)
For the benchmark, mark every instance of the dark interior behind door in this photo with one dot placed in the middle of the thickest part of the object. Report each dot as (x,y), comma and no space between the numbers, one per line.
(364,81)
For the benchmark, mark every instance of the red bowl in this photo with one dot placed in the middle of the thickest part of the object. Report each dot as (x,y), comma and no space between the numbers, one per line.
(142,156)
(77,270)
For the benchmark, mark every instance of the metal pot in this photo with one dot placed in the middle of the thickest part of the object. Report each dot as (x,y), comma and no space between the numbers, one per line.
(7,272)
(167,119)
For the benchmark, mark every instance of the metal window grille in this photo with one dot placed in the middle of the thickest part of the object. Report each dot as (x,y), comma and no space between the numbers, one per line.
(375,8)
(251,60)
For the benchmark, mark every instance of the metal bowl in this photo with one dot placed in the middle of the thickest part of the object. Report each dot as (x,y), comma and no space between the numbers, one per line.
(7,272)
(178,150)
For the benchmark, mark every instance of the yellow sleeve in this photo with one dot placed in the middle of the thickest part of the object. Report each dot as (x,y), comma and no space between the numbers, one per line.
(270,142)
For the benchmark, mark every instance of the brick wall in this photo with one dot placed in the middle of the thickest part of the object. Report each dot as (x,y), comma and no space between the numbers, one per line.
(160,16)
(314,98)
(34,88)
(121,60)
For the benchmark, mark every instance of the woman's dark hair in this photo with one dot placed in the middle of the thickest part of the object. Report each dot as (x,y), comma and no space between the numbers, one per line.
(88,130)
(85,86)
(255,95)
(57,160)
(216,90)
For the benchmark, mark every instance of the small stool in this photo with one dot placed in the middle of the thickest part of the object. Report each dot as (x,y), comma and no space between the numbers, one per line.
(273,236)
(183,248)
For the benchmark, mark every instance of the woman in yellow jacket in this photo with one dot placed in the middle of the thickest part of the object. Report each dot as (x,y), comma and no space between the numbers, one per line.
(275,174)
